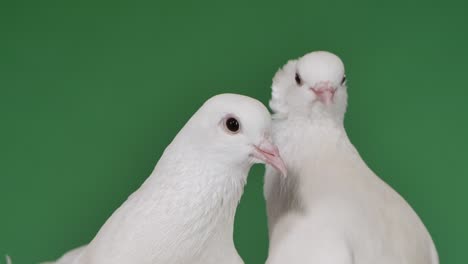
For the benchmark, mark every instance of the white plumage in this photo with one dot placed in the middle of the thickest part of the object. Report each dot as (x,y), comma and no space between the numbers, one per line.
(184,212)
(331,209)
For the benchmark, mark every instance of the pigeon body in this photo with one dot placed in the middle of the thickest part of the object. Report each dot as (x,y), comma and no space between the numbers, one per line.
(331,209)
(184,212)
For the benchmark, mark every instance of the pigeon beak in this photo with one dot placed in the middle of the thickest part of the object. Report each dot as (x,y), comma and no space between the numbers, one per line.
(269,153)
(324,93)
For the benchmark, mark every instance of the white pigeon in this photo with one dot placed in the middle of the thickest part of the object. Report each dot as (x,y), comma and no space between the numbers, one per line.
(184,212)
(331,209)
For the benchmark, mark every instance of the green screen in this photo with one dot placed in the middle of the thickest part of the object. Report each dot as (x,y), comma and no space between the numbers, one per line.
(91,92)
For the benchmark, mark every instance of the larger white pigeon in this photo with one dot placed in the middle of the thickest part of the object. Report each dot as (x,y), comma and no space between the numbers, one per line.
(331,209)
(184,212)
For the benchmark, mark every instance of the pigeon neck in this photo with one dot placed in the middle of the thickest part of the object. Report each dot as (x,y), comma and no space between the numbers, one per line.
(313,148)
(209,193)
(315,115)
(313,121)
(318,140)
(186,201)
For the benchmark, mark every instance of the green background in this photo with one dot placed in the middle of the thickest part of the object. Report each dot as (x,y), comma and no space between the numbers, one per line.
(91,92)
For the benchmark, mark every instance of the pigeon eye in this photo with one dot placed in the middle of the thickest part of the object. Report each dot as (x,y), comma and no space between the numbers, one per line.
(298,79)
(232,125)
(343,80)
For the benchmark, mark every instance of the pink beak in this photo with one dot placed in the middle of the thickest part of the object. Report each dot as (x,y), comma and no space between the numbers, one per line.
(324,93)
(269,153)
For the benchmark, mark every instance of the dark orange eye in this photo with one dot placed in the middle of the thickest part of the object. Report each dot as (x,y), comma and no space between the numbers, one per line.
(298,79)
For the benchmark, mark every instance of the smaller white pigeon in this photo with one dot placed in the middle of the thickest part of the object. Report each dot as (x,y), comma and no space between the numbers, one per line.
(331,209)
(184,212)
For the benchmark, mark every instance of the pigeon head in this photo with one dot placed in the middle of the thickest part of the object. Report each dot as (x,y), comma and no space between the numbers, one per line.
(313,85)
(237,130)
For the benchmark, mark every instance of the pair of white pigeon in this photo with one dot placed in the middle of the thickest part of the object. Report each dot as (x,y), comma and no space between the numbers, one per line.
(329,209)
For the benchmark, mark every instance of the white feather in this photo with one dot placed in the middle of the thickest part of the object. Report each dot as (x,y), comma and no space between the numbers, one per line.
(184,212)
(331,209)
